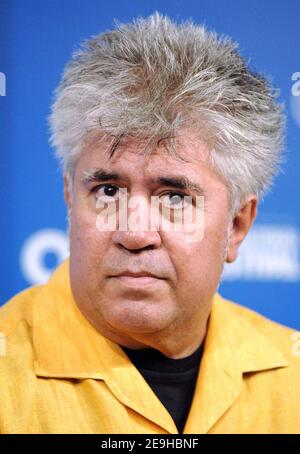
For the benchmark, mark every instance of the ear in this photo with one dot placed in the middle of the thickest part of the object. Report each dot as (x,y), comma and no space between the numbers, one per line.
(68,190)
(242,223)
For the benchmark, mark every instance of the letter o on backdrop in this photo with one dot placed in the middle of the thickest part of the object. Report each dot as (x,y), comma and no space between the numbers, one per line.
(35,250)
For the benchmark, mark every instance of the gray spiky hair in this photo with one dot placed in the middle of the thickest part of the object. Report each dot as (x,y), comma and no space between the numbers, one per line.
(157,76)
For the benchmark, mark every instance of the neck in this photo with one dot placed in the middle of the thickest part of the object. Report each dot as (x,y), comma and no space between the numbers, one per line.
(173,342)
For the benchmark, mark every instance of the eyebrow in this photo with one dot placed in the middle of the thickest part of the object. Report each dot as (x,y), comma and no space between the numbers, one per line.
(89,176)
(179,182)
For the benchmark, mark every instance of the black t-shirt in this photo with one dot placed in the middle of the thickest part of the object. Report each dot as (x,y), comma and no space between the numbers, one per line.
(172,380)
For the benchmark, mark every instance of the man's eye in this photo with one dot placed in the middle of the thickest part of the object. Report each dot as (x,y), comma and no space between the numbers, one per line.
(175,200)
(106,192)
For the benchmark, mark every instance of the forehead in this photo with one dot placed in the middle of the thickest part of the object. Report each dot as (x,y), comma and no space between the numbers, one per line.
(132,154)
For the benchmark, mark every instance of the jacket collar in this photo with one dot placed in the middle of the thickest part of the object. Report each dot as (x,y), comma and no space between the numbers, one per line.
(233,347)
(67,346)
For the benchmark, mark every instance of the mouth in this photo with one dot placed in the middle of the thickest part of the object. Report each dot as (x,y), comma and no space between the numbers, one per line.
(140,279)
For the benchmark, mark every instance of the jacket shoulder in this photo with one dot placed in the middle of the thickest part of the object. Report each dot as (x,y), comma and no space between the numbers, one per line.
(285,338)
(17,309)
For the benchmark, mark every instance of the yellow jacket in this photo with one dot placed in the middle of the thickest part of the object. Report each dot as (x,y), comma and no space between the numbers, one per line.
(59,375)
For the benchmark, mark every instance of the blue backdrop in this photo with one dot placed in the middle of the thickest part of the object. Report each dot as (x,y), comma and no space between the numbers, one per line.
(36,39)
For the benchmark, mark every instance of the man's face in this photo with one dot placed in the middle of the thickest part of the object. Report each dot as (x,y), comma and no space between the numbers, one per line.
(185,273)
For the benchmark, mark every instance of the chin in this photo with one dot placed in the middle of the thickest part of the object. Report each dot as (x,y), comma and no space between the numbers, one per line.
(142,318)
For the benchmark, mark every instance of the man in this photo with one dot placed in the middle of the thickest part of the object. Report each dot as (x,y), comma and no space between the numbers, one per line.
(153,121)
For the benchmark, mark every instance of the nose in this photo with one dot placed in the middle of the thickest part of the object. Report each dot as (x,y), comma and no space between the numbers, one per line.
(135,240)
(141,229)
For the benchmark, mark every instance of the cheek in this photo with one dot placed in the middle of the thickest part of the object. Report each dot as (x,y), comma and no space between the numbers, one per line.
(198,264)
(87,242)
